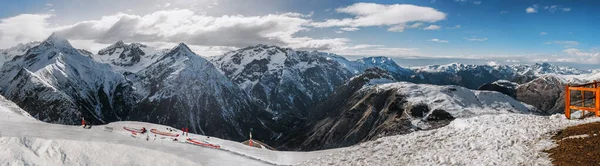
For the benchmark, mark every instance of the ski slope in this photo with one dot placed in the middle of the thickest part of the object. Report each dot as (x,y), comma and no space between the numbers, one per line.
(26,141)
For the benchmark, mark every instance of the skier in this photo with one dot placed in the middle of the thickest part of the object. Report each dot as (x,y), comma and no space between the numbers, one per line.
(143,130)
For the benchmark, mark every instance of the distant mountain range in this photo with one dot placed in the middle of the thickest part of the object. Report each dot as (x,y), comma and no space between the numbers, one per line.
(295,99)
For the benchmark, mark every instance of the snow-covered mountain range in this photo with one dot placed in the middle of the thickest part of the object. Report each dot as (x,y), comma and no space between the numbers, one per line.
(373,105)
(286,82)
(270,90)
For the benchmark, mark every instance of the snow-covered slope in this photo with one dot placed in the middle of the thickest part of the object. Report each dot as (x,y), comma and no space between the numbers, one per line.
(20,49)
(55,83)
(25,141)
(128,57)
(504,139)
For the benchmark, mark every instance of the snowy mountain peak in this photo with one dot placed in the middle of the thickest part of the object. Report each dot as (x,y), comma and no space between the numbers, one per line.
(57,41)
(120,43)
(183,48)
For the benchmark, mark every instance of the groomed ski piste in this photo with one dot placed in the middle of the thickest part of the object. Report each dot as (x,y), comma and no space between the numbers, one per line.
(500,139)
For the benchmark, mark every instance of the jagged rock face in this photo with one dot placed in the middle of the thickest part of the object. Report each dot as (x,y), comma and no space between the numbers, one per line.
(355,116)
(184,90)
(545,93)
(502,86)
(285,81)
(56,84)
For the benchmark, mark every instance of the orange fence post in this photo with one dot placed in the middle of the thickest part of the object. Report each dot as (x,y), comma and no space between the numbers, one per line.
(568,102)
(596,99)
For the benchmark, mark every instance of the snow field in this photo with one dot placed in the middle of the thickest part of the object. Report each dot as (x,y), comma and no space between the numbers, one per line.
(504,139)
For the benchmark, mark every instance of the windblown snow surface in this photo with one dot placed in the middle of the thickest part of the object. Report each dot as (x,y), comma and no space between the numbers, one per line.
(504,139)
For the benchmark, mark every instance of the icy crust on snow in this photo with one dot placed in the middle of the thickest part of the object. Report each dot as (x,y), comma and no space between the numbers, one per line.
(456,100)
(37,151)
(504,139)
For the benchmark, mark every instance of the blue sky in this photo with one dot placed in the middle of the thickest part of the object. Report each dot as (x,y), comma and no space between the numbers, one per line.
(469,31)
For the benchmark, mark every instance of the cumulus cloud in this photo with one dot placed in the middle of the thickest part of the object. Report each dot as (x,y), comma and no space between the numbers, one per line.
(397,28)
(438,40)
(531,9)
(395,16)
(566,9)
(186,26)
(416,25)
(23,28)
(173,26)
(477,2)
(432,27)
(543,33)
(350,29)
(474,38)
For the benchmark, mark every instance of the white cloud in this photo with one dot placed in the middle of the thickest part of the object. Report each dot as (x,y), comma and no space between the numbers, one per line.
(49,4)
(416,25)
(492,63)
(397,28)
(23,28)
(372,14)
(454,27)
(543,33)
(504,12)
(432,27)
(532,9)
(460,0)
(338,32)
(167,4)
(474,38)
(565,43)
(553,8)
(577,52)
(172,26)
(477,2)
(349,29)
(439,41)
